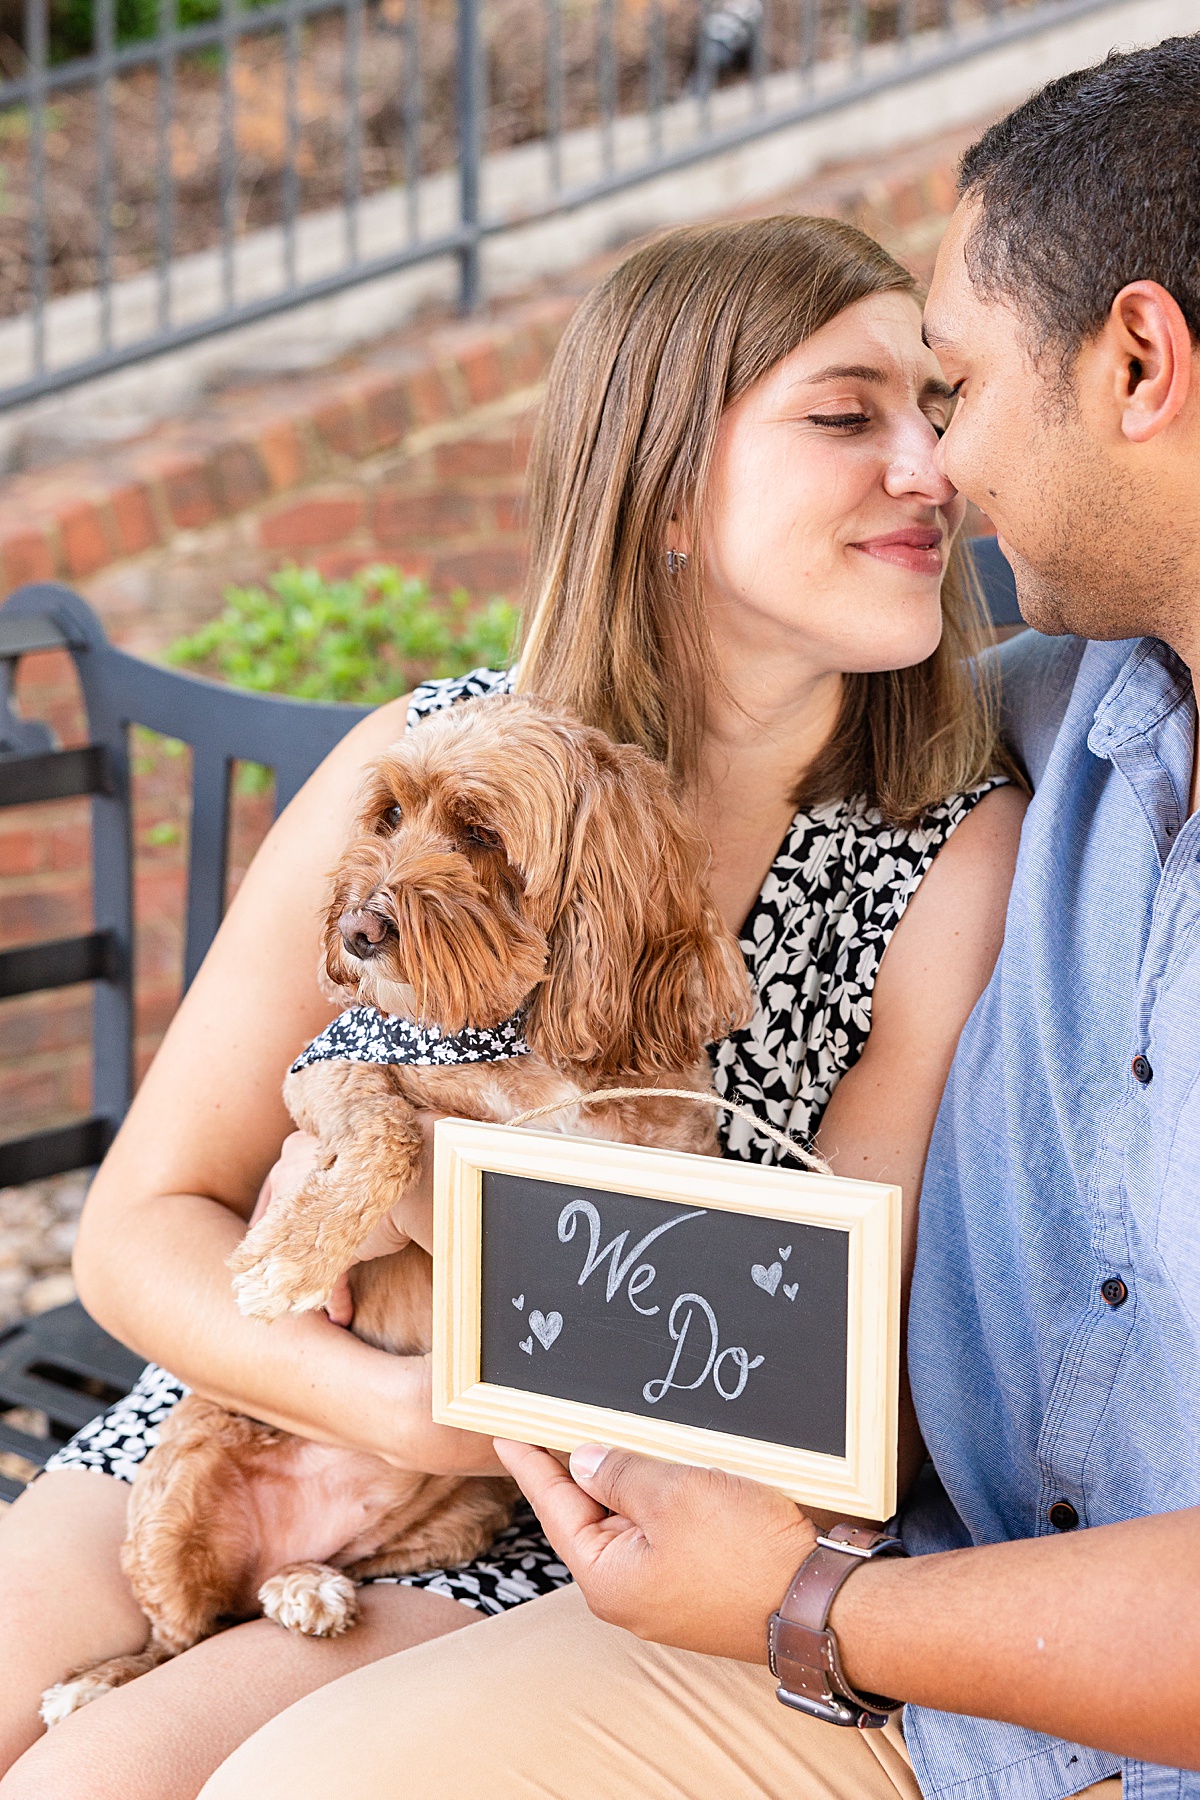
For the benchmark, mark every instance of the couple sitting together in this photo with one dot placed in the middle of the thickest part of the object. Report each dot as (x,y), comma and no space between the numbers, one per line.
(754,458)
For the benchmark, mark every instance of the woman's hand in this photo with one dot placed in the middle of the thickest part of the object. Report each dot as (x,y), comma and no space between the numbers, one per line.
(409,1221)
(688,1557)
(295,1158)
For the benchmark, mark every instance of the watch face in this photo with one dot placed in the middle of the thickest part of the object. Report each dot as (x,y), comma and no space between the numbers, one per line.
(830,1710)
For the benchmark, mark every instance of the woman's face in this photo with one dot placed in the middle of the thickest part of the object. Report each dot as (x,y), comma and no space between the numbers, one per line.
(827,525)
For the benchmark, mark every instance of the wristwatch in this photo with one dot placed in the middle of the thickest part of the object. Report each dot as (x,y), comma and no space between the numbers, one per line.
(803,1654)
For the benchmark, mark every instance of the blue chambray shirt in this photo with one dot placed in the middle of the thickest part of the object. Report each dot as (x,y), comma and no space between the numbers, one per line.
(1052,1168)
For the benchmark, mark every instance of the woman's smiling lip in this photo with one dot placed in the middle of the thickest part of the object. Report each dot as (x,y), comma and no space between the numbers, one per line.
(916,548)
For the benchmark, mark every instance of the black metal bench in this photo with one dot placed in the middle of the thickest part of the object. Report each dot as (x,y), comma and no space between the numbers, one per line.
(61,1364)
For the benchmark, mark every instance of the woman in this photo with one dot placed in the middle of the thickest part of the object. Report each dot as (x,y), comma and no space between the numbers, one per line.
(742,561)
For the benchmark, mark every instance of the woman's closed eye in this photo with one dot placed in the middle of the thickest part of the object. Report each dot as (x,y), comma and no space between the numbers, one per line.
(843,421)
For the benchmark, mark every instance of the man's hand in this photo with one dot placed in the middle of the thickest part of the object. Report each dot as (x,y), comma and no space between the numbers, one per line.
(688,1557)
(409,1221)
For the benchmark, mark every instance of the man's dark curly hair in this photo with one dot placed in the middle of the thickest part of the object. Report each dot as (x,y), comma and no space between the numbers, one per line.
(1092,184)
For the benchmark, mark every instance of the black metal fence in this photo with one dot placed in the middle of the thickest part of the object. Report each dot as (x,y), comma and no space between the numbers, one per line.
(172,168)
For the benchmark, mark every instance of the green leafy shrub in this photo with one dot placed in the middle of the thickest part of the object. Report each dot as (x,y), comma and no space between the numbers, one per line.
(365,639)
(73,22)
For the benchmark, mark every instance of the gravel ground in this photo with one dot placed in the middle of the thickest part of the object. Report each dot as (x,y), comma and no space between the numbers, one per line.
(37,1234)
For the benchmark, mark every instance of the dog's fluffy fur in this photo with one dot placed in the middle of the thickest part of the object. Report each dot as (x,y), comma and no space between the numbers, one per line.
(507,858)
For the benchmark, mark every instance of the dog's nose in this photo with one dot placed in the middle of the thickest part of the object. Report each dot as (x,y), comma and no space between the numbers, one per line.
(364,933)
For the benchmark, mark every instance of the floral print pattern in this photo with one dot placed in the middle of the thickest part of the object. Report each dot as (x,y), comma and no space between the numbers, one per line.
(363,1034)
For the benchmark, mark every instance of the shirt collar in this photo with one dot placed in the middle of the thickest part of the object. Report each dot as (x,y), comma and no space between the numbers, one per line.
(1150,685)
(1145,726)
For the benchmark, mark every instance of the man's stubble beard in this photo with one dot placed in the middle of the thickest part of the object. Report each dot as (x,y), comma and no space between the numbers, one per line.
(1103,568)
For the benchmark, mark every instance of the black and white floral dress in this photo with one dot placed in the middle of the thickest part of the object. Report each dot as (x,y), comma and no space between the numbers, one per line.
(813,944)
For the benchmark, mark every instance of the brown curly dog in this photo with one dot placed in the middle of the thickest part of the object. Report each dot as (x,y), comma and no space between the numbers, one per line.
(507,865)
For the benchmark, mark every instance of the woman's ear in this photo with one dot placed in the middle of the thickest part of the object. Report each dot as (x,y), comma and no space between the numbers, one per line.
(678,537)
(642,971)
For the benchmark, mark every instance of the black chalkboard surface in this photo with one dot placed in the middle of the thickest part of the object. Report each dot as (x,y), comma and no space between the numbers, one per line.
(689,1307)
(716,1319)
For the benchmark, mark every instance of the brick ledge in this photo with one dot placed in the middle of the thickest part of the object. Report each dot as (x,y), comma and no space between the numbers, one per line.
(254,445)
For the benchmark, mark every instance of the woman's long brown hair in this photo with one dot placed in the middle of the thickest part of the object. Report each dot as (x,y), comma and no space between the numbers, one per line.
(651,359)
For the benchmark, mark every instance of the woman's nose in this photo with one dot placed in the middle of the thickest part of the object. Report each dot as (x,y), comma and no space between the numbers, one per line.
(913,469)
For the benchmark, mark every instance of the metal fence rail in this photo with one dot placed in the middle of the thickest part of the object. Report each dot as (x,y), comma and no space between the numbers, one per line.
(176,167)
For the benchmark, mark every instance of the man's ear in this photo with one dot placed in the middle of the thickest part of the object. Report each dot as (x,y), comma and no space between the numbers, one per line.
(1151,357)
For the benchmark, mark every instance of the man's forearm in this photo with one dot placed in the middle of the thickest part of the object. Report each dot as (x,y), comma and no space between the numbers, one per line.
(1093,1637)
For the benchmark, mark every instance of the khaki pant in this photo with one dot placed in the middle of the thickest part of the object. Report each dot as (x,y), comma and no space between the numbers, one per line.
(546,1703)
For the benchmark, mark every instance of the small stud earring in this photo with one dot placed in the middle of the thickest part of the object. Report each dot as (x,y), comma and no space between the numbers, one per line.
(676,562)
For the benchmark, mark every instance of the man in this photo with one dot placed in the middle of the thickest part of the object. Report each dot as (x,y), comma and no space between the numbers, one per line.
(1055,1338)
(1055,1320)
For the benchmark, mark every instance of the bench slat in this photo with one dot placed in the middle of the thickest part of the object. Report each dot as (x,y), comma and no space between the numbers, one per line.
(19,636)
(59,962)
(37,1450)
(54,775)
(44,1153)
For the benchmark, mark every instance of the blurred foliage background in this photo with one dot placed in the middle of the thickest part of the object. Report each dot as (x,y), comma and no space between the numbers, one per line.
(364,639)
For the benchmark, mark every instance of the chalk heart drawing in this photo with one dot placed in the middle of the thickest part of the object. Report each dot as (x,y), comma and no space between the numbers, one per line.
(767,1279)
(791,1289)
(545,1327)
(519,1302)
(784,1254)
(527,1346)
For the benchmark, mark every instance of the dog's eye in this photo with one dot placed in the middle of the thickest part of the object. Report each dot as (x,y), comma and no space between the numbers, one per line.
(478,837)
(391,818)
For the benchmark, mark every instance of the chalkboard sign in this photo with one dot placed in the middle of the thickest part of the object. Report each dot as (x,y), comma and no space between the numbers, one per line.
(694,1308)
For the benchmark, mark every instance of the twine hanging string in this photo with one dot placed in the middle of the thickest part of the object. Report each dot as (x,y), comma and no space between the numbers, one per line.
(790,1145)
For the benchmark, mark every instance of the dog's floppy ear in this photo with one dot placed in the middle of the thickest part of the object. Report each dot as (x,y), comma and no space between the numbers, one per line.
(642,971)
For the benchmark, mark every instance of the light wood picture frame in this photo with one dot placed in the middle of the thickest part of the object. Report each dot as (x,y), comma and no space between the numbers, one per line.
(861,1482)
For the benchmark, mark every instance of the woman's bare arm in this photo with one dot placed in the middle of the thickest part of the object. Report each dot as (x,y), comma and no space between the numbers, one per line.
(173,1195)
(879,1122)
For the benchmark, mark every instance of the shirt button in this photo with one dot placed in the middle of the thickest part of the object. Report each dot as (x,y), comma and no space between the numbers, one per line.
(1063,1516)
(1113,1291)
(1141,1070)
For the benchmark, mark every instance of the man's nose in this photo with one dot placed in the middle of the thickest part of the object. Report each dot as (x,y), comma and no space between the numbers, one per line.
(364,933)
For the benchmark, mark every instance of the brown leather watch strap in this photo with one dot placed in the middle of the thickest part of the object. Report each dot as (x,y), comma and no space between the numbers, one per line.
(803,1652)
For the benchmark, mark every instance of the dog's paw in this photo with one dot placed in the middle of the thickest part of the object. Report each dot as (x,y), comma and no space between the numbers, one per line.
(270,1288)
(66,1697)
(310,1598)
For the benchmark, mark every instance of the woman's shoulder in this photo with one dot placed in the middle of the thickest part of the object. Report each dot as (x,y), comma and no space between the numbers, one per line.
(435,696)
